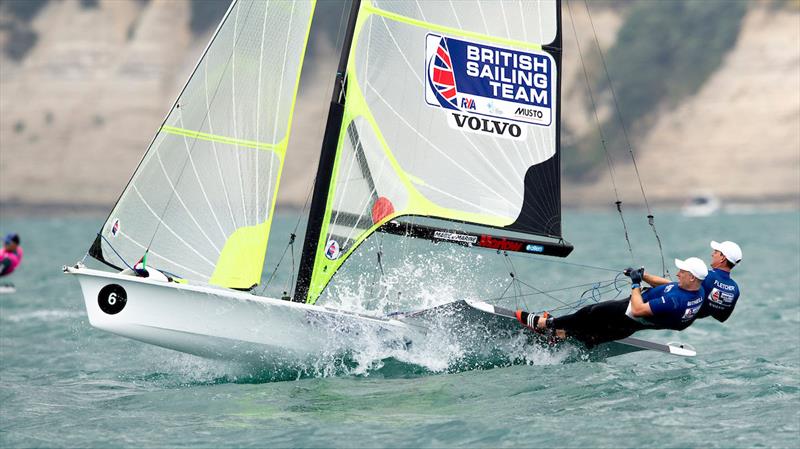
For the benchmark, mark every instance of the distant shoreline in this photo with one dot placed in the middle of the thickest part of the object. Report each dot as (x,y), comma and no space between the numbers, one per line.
(51,209)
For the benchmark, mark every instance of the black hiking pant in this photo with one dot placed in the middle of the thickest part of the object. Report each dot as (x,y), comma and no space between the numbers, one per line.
(599,323)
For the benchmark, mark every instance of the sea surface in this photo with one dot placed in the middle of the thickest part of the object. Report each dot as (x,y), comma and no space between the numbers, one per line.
(66,384)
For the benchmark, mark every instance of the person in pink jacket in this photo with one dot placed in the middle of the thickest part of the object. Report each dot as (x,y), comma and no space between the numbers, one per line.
(10,255)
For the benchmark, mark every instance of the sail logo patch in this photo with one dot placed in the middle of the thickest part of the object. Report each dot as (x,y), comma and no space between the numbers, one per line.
(689,313)
(720,297)
(453,237)
(531,248)
(502,243)
(115,228)
(487,89)
(332,250)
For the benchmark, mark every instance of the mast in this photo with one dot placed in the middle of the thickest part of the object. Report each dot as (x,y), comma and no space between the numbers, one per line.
(327,158)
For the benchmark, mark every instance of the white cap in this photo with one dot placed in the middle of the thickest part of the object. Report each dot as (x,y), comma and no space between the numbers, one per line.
(730,250)
(693,265)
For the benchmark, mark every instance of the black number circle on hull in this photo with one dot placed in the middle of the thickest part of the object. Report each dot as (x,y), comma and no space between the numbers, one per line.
(112,299)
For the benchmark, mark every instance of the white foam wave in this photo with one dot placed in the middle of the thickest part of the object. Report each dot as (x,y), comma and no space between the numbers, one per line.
(44,315)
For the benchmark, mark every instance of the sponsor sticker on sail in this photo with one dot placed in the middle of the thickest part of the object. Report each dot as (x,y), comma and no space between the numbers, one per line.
(489,90)
(115,228)
(454,237)
(332,250)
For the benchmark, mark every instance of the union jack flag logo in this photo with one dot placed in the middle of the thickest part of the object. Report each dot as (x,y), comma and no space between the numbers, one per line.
(115,228)
(333,250)
(441,78)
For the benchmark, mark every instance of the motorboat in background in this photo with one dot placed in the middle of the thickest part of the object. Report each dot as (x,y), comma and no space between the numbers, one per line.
(701,204)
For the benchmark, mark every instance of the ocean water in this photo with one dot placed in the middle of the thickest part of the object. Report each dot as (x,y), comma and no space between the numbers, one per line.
(65,384)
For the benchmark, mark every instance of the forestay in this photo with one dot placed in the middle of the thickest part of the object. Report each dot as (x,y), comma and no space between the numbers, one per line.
(202,199)
(451,112)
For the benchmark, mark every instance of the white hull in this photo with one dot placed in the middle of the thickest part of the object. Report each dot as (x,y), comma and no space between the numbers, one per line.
(231,325)
(275,334)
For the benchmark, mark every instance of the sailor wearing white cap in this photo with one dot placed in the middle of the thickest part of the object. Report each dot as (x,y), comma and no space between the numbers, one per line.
(721,291)
(670,306)
(666,306)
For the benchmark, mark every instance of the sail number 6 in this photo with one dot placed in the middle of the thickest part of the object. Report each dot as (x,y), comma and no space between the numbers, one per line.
(112,299)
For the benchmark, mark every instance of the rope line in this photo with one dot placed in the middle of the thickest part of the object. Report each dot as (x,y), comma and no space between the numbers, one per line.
(561,262)
(650,217)
(115,251)
(609,159)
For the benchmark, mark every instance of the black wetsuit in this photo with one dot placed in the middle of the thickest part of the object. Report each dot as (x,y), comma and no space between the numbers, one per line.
(672,308)
(600,323)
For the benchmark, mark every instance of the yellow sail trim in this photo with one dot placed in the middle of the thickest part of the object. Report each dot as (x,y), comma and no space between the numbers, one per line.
(417,204)
(366,6)
(283,144)
(219,139)
(242,258)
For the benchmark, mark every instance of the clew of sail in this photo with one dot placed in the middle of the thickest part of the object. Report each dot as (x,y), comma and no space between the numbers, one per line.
(451,112)
(201,202)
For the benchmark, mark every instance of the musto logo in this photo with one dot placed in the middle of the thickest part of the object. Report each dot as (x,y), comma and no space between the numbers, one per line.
(489,90)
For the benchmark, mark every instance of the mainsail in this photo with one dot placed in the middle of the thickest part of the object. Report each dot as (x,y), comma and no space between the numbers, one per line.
(451,112)
(201,202)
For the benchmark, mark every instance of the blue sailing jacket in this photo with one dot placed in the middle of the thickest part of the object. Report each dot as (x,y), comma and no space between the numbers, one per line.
(721,293)
(672,306)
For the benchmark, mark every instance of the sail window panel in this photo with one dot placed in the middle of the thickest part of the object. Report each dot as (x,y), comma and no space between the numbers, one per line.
(533,21)
(454,169)
(364,176)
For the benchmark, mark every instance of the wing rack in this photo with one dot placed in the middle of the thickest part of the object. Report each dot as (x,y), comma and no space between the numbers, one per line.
(480,240)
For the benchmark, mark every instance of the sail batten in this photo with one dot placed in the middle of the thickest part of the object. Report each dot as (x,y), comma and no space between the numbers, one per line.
(203,197)
(255,144)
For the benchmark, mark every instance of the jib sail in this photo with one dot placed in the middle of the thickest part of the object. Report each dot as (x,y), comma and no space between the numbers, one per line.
(202,199)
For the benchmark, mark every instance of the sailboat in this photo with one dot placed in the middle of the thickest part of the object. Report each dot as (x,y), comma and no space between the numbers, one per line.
(443,125)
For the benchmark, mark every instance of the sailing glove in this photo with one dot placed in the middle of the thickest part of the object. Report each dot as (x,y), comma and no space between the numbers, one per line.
(635,275)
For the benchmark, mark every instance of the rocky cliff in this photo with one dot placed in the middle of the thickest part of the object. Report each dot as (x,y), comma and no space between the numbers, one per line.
(80,105)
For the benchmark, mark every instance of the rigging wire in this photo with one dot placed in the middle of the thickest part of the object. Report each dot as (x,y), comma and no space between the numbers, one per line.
(561,262)
(609,159)
(650,217)
(514,281)
(595,293)
(115,251)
